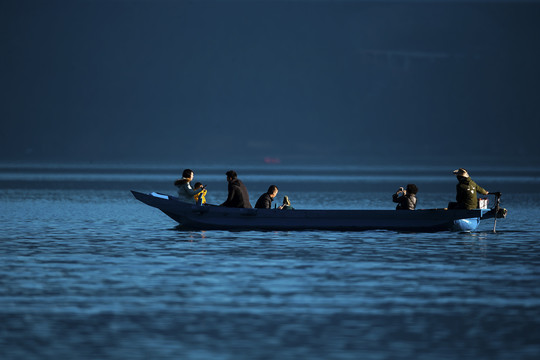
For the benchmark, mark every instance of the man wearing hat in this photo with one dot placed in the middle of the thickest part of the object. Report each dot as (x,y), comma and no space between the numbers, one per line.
(466,191)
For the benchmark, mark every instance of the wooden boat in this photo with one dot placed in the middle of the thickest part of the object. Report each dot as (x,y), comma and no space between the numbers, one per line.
(211,217)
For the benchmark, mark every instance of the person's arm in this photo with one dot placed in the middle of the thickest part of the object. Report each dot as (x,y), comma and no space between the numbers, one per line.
(481,190)
(190,191)
(397,197)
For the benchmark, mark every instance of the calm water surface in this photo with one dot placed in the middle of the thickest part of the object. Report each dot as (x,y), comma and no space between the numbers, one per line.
(88,272)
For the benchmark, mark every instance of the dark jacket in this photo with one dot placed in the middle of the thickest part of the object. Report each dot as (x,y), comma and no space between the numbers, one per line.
(405,202)
(466,194)
(238,195)
(264,202)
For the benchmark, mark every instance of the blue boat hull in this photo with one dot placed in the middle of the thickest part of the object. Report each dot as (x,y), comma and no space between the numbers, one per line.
(209,217)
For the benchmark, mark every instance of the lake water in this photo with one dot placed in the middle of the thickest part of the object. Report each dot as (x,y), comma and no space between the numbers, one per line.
(88,272)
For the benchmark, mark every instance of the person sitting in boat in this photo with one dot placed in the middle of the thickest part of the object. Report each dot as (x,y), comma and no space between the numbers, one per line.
(201,195)
(185,191)
(238,196)
(466,191)
(265,200)
(406,198)
(286,204)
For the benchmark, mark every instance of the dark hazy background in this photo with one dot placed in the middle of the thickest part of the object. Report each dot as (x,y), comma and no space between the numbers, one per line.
(303,81)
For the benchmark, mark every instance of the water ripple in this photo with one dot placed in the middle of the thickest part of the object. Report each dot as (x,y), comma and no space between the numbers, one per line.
(84,278)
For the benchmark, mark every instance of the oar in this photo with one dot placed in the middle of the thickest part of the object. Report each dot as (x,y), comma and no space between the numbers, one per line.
(496,208)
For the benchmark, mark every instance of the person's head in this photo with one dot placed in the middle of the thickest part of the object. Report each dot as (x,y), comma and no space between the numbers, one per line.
(461,173)
(197,185)
(412,189)
(272,191)
(286,201)
(187,174)
(231,175)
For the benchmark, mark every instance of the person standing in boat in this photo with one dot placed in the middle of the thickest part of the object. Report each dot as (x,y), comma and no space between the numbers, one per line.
(265,200)
(185,192)
(406,198)
(466,191)
(238,196)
